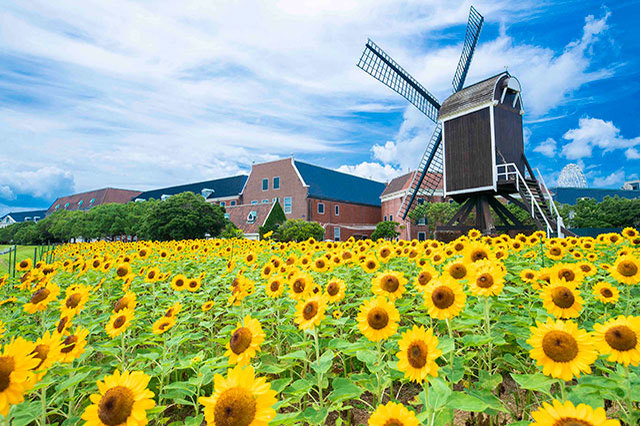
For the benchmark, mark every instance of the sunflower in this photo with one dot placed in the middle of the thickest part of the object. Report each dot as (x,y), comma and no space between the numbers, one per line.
(128,301)
(629,233)
(562,300)
(122,399)
(74,345)
(626,270)
(562,349)
(444,299)
(163,324)
(385,252)
(378,319)
(75,299)
(456,270)
(605,292)
(24,265)
(179,282)
(245,341)
(300,287)
(151,275)
(620,339)
(555,252)
(569,272)
(476,251)
(64,323)
(41,298)
(16,363)
(173,311)
(275,287)
(267,270)
(390,284)
(425,276)
(568,414)
(486,278)
(394,414)
(418,354)
(207,306)
(337,314)
(335,290)
(193,285)
(310,312)
(370,264)
(119,322)
(240,399)
(320,265)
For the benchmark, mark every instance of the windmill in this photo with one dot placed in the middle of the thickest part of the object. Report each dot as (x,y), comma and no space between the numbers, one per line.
(476,146)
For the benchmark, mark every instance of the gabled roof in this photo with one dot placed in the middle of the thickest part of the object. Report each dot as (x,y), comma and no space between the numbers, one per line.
(337,186)
(398,184)
(20,216)
(238,215)
(224,187)
(83,200)
(470,97)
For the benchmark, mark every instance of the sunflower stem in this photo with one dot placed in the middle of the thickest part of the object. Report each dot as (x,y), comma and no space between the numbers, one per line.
(122,352)
(43,401)
(563,393)
(315,337)
(452,350)
(630,407)
(426,400)
(628,291)
(487,321)
(379,367)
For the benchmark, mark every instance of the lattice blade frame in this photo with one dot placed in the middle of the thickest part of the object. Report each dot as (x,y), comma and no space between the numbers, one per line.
(382,67)
(474,26)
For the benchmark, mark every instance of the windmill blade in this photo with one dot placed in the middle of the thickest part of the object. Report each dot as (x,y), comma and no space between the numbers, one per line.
(428,175)
(474,26)
(377,63)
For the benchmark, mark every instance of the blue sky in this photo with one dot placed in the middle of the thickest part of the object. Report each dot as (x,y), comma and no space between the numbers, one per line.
(137,95)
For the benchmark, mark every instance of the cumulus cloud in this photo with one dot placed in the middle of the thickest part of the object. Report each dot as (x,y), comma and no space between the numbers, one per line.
(595,132)
(44,182)
(370,170)
(632,154)
(547,148)
(614,179)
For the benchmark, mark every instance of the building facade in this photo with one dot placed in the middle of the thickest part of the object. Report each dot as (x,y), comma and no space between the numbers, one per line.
(18,217)
(88,200)
(224,191)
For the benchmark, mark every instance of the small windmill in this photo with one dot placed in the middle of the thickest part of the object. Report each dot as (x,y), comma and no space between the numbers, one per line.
(477,144)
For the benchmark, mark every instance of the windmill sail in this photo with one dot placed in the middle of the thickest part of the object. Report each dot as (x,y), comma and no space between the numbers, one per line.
(429,172)
(381,66)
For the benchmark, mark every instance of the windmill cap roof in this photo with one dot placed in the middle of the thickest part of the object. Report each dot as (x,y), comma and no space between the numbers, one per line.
(470,97)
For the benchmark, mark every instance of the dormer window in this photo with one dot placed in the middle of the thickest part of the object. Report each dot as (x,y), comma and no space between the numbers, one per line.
(251,217)
(93,200)
(164,196)
(80,203)
(206,192)
(66,205)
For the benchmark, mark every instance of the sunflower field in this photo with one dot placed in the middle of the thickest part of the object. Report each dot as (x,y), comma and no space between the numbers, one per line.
(479,331)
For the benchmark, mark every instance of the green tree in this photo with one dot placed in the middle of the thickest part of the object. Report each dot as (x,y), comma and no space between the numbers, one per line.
(299,230)
(612,212)
(182,216)
(273,222)
(386,230)
(231,231)
(435,214)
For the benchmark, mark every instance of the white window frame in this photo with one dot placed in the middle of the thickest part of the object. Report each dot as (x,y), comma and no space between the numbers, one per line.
(318,208)
(424,236)
(336,210)
(422,221)
(336,233)
(273,184)
(265,201)
(233,202)
(265,180)
(254,201)
(290,202)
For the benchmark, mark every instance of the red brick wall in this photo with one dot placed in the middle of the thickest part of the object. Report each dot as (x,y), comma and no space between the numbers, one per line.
(349,214)
(290,186)
(407,229)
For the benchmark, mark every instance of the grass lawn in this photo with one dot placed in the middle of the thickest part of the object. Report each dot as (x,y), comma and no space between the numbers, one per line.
(23,252)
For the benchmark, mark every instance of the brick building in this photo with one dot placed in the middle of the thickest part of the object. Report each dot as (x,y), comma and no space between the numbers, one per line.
(392,198)
(24,216)
(345,205)
(224,191)
(90,199)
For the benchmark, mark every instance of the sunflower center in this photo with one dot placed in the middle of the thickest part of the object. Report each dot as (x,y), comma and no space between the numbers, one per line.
(24,264)
(478,255)
(62,324)
(390,283)
(267,270)
(627,268)
(320,263)
(179,282)
(73,300)
(572,422)
(7,365)
(151,274)
(193,283)
(393,422)
(274,286)
(562,297)
(121,304)
(484,281)
(555,251)
(606,292)
(377,318)
(567,274)
(121,271)
(443,297)
(240,340)
(621,338)
(458,271)
(163,325)
(119,322)
(371,265)
(116,405)
(560,346)
(333,288)
(41,352)
(310,310)
(385,253)
(529,275)
(169,312)
(40,295)
(424,278)
(68,344)
(235,407)
(298,286)
(417,354)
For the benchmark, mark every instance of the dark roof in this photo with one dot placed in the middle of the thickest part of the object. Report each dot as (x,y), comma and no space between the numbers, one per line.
(398,184)
(572,195)
(19,216)
(238,215)
(332,185)
(224,187)
(82,201)
(470,97)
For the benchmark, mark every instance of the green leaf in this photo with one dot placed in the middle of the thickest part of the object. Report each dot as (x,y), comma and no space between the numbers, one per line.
(487,381)
(367,356)
(316,416)
(465,402)
(280,384)
(439,393)
(300,386)
(298,355)
(536,382)
(475,340)
(344,389)
(324,363)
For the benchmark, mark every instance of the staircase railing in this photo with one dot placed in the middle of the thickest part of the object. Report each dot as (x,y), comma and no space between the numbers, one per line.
(554,209)
(509,171)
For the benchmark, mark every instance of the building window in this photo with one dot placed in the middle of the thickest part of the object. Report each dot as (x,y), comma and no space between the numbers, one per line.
(336,233)
(384,218)
(254,202)
(93,200)
(66,205)
(251,217)
(287,205)
(276,182)
(222,203)
(233,202)
(320,208)
(422,221)
(265,184)
(57,206)
(80,203)
(27,218)
(35,218)
(337,210)
(422,236)
(164,196)
(226,215)
(390,218)
(265,201)
(420,201)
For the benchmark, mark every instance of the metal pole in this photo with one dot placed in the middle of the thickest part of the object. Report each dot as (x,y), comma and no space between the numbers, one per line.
(9,263)
(15,253)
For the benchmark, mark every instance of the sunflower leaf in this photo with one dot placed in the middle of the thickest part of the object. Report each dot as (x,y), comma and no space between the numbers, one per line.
(465,402)
(324,363)
(344,389)
(536,382)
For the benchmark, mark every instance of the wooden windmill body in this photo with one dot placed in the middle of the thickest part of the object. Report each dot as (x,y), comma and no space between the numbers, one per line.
(477,146)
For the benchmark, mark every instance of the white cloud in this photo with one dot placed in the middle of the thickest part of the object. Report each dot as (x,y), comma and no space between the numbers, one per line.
(7,193)
(370,170)
(43,182)
(632,154)
(547,148)
(595,132)
(614,179)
